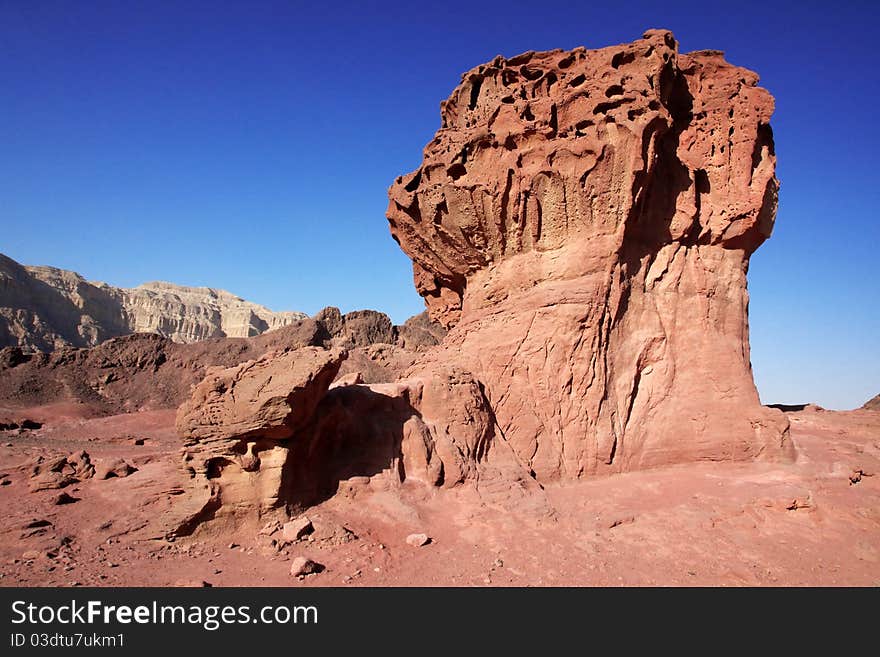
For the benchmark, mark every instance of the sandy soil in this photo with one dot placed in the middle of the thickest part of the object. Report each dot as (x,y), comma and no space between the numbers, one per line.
(812,522)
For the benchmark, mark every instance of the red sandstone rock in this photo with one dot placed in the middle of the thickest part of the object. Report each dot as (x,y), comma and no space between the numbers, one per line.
(237,425)
(583,222)
(272,396)
(115,468)
(297,528)
(302,566)
(60,471)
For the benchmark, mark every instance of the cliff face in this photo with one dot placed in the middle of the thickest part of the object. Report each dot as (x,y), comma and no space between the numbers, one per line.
(44,308)
(583,222)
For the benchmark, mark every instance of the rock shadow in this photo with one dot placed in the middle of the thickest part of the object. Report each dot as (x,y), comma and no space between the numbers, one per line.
(355,432)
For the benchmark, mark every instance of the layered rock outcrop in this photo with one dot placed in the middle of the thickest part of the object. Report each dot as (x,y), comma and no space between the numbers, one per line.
(267,438)
(583,222)
(45,308)
(237,423)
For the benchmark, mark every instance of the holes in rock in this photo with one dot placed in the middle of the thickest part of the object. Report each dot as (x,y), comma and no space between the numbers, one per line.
(442,209)
(581,127)
(510,143)
(413,184)
(476,83)
(765,134)
(614,90)
(531,74)
(653,105)
(456,171)
(554,121)
(214,467)
(551,80)
(765,138)
(508,77)
(578,81)
(565,62)
(527,114)
(633,114)
(701,181)
(507,100)
(602,108)
(622,58)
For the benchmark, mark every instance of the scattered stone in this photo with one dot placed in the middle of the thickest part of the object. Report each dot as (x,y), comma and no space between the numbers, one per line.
(418,540)
(857,475)
(270,528)
(298,528)
(301,566)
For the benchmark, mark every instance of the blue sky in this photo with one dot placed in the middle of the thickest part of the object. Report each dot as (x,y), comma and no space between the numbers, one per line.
(249,146)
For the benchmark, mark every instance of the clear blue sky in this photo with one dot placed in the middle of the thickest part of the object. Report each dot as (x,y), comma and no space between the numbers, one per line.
(249,146)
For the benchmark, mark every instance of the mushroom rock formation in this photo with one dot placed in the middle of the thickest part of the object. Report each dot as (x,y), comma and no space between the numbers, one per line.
(583,222)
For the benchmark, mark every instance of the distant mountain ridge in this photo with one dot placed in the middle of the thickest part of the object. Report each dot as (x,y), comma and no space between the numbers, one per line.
(44,308)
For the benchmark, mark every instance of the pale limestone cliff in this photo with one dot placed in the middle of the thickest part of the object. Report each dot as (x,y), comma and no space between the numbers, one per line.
(43,308)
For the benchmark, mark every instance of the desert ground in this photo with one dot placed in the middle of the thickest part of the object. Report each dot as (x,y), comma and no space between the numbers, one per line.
(814,521)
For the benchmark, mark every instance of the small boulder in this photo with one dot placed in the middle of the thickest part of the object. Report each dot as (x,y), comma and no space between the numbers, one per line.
(301,566)
(297,528)
(418,540)
(81,463)
(117,468)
